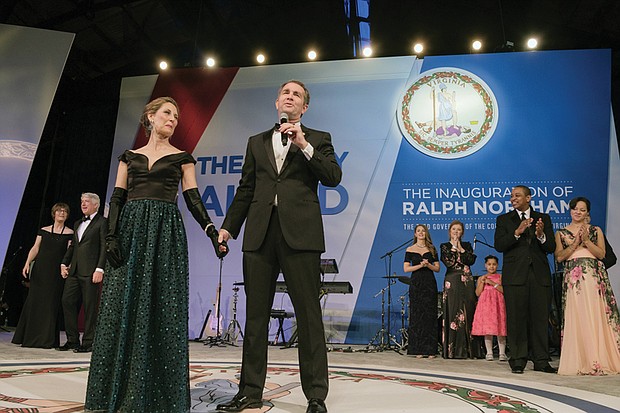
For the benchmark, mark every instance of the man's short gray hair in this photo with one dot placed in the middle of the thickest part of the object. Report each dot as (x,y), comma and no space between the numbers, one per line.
(93,197)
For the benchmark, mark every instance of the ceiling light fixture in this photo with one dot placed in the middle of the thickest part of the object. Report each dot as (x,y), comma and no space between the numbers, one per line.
(507,46)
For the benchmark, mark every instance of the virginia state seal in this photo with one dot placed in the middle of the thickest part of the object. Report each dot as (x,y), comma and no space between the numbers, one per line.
(448,113)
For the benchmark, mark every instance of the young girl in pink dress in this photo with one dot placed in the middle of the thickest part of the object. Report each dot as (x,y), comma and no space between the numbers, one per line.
(490,315)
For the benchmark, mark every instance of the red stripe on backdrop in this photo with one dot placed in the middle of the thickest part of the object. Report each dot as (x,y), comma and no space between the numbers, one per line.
(198,93)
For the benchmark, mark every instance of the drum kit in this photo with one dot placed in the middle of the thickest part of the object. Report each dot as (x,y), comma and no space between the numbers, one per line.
(233,331)
(234,328)
(383,339)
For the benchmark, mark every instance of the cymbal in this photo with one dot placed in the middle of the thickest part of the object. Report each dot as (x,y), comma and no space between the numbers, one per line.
(402,278)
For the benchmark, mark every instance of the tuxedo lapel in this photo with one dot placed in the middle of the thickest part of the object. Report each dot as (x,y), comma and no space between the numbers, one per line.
(89,227)
(268,145)
(294,150)
(516,218)
(76,226)
(531,230)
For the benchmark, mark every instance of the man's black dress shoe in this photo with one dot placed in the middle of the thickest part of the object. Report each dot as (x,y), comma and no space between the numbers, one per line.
(517,370)
(239,403)
(316,406)
(546,369)
(68,346)
(83,349)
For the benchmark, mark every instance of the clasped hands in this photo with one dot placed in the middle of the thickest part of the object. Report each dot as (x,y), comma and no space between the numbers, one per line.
(223,237)
(115,257)
(219,244)
(96,278)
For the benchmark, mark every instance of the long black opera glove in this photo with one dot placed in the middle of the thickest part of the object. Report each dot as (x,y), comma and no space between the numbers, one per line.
(112,247)
(200,214)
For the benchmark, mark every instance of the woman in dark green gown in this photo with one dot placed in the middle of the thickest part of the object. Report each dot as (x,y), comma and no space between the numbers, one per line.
(140,356)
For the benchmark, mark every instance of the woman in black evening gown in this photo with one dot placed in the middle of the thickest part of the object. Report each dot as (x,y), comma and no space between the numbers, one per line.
(41,317)
(421,261)
(140,357)
(459,296)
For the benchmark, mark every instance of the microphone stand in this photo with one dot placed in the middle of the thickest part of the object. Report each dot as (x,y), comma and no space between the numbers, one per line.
(483,243)
(387,343)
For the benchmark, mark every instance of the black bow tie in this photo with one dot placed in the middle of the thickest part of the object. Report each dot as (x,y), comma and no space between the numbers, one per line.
(86,218)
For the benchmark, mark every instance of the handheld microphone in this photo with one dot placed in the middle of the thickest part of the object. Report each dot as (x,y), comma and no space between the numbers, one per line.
(284,119)
(475,235)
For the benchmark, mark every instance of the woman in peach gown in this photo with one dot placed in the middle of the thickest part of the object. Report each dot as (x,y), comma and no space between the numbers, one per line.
(591,330)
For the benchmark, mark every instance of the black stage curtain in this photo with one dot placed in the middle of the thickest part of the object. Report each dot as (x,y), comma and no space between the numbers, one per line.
(73,157)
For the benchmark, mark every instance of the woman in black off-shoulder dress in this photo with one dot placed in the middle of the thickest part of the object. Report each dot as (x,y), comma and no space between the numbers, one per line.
(140,354)
(421,261)
(41,318)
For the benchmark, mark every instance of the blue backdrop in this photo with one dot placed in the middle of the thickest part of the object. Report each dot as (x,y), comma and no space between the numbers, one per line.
(552,134)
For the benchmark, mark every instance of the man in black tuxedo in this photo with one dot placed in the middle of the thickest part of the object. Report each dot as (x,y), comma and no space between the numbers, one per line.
(525,237)
(277,198)
(82,266)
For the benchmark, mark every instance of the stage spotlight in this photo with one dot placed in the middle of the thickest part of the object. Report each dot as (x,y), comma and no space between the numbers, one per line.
(163,65)
(532,43)
(312,55)
(476,45)
(367,51)
(210,62)
(418,48)
(260,58)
